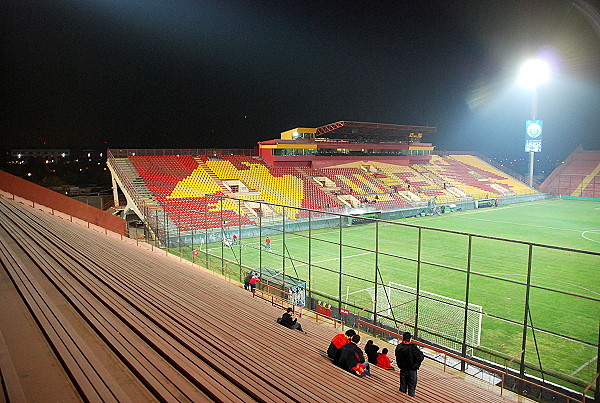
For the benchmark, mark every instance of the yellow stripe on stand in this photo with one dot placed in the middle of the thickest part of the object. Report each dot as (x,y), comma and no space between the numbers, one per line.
(586,181)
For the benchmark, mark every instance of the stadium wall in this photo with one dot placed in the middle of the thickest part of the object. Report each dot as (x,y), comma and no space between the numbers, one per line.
(56,201)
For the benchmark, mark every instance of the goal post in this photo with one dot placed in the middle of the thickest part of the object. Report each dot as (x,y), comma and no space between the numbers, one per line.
(440,318)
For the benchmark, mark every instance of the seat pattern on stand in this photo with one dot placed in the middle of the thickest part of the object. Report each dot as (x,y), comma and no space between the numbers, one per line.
(187,193)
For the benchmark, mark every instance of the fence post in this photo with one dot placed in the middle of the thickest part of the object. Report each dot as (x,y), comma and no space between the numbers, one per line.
(376,271)
(525,316)
(310,255)
(222,237)
(597,392)
(260,249)
(464,340)
(283,246)
(416,328)
(239,238)
(340,273)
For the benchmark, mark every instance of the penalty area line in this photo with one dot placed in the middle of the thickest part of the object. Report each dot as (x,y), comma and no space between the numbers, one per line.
(583,366)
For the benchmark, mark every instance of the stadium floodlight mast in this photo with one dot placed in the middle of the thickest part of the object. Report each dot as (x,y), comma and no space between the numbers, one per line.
(533,73)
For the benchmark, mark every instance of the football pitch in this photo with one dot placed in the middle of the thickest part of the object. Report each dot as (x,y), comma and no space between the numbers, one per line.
(341,264)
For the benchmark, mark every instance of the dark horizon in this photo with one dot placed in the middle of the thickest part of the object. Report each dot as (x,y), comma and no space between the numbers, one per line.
(220,75)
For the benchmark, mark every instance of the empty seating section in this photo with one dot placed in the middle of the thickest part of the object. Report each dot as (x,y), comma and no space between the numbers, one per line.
(162,173)
(493,174)
(186,192)
(472,176)
(283,189)
(590,179)
(409,176)
(188,187)
(578,176)
(354,181)
(389,201)
(198,184)
(287,186)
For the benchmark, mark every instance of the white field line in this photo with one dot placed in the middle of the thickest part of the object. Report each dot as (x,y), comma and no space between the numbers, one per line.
(594,231)
(476,211)
(318,261)
(329,260)
(546,278)
(525,225)
(583,366)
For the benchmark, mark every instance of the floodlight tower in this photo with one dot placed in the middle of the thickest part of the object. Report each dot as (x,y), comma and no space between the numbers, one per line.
(533,73)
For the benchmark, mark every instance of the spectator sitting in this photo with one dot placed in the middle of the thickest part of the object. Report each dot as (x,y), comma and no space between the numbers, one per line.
(337,343)
(383,360)
(287,321)
(351,356)
(371,351)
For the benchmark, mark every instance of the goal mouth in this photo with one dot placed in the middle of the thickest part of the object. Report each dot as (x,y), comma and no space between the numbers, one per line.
(439,319)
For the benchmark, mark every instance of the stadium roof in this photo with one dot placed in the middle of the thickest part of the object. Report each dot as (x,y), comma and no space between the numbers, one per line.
(379,131)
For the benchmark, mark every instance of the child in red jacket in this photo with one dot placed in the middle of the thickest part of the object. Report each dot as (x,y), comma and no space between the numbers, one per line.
(383,360)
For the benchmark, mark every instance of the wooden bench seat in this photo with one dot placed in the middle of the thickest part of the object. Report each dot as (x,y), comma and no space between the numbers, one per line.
(180,334)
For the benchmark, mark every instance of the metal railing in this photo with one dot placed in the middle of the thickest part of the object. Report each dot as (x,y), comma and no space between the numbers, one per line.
(131,152)
(501,374)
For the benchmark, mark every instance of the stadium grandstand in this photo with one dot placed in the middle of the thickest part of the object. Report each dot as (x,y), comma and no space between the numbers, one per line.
(341,167)
(163,316)
(578,176)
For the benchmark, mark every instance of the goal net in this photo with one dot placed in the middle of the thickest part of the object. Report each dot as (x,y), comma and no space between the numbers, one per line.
(440,319)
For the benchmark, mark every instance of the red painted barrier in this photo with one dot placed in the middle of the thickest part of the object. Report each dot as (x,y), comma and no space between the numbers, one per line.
(56,201)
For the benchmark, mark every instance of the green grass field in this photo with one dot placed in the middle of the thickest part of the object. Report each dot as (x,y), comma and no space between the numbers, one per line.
(568,322)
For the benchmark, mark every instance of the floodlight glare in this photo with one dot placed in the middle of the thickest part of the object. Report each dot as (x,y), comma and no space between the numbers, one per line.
(533,73)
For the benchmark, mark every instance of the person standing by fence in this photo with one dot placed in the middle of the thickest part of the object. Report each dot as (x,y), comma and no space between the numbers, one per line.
(253,282)
(247,280)
(409,358)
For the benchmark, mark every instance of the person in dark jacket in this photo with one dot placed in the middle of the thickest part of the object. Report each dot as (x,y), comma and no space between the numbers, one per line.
(289,322)
(350,355)
(337,343)
(247,280)
(371,351)
(409,358)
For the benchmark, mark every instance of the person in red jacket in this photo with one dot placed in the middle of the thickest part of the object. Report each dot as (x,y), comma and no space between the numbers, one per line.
(337,343)
(383,360)
(253,282)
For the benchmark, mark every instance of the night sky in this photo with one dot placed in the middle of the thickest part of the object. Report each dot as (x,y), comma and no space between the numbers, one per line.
(204,74)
